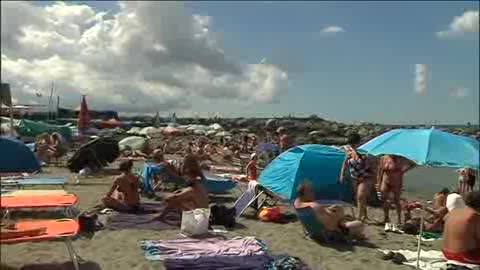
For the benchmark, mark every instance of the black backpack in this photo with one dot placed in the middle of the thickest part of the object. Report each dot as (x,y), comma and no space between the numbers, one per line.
(221,215)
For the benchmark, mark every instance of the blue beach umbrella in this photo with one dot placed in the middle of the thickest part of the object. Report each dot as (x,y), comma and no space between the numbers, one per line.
(427,147)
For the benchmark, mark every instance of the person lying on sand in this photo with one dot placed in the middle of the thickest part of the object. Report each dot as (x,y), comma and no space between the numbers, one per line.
(434,222)
(332,217)
(123,195)
(461,236)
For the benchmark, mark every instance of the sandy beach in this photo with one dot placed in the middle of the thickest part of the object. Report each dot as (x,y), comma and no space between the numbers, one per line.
(120,249)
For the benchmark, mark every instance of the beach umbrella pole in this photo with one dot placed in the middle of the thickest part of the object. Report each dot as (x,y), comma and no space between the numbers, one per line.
(422,218)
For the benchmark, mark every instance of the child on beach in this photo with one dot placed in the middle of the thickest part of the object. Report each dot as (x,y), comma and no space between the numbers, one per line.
(252,168)
(123,195)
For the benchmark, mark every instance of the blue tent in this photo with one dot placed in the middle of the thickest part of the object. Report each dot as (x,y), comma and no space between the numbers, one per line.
(16,157)
(319,164)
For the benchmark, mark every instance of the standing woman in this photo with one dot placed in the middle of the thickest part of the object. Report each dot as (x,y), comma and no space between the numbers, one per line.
(362,171)
(390,179)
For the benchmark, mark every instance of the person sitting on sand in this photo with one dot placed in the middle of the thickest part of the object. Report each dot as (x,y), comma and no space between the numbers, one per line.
(43,144)
(252,168)
(332,217)
(159,160)
(195,195)
(57,147)
(461,236)
(390,180)
(434,222)
(123,195)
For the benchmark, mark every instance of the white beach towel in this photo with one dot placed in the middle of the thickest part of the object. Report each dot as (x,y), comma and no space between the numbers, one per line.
(429,260)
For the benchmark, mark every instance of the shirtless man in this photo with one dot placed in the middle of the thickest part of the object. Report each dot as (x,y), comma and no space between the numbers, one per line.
(123,195)
(390,180)
(332,217)
(435,222)
(461,237)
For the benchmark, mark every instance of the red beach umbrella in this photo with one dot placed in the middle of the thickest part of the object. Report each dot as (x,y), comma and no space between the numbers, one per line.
(83,116)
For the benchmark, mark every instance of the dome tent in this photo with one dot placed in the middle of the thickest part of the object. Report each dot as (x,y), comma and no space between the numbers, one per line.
(319,164)
(17,157)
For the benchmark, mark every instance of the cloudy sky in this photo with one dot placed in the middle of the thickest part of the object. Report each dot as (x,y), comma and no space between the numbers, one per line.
(350,61)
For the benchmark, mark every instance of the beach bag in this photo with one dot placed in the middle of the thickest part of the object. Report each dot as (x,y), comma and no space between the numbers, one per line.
(195,222)
(88,222)
(272,214)
(221,215)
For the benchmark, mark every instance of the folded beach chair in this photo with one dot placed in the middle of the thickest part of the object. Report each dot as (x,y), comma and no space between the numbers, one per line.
(315,230)
(37,201)
(61,229)
(22,182)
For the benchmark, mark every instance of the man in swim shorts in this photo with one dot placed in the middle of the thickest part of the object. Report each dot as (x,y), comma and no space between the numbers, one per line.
(461,236)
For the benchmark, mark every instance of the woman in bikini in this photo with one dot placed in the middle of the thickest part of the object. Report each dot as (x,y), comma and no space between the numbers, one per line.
(390,180)
(362,171)
(195,195)
(123,195)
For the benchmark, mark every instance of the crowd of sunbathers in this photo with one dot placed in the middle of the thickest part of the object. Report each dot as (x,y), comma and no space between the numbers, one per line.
(366,173)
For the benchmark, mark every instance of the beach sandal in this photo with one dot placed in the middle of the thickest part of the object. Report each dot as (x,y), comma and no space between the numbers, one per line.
(388,227)
(386,256)
(398,258)
(395,229)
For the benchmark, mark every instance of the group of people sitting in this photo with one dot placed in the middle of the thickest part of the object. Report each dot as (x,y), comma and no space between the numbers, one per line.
(124,194)
(50,146)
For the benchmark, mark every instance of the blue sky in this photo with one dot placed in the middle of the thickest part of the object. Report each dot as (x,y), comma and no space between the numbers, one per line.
(365,73)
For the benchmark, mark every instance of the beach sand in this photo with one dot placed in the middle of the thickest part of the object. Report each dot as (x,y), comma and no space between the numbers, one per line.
(119,250)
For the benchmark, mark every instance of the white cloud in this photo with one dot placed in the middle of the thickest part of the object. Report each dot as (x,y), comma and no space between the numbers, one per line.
(332,29)
(466,23)
(420,78)
(148,56)
(459,92)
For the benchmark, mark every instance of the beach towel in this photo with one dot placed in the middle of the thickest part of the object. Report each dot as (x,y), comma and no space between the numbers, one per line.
(254,262)
(430,236)
(430,260)
(146,219)
(244,200)
(190,248)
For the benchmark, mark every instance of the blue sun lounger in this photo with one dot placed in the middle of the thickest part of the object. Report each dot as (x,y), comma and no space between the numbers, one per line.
(34,181)
(215,184)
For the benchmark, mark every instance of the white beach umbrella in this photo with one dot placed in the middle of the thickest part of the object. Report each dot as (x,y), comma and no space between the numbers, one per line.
(223,134)
(215,127)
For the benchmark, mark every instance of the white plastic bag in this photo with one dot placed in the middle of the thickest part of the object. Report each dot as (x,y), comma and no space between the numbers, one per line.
(195,222)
